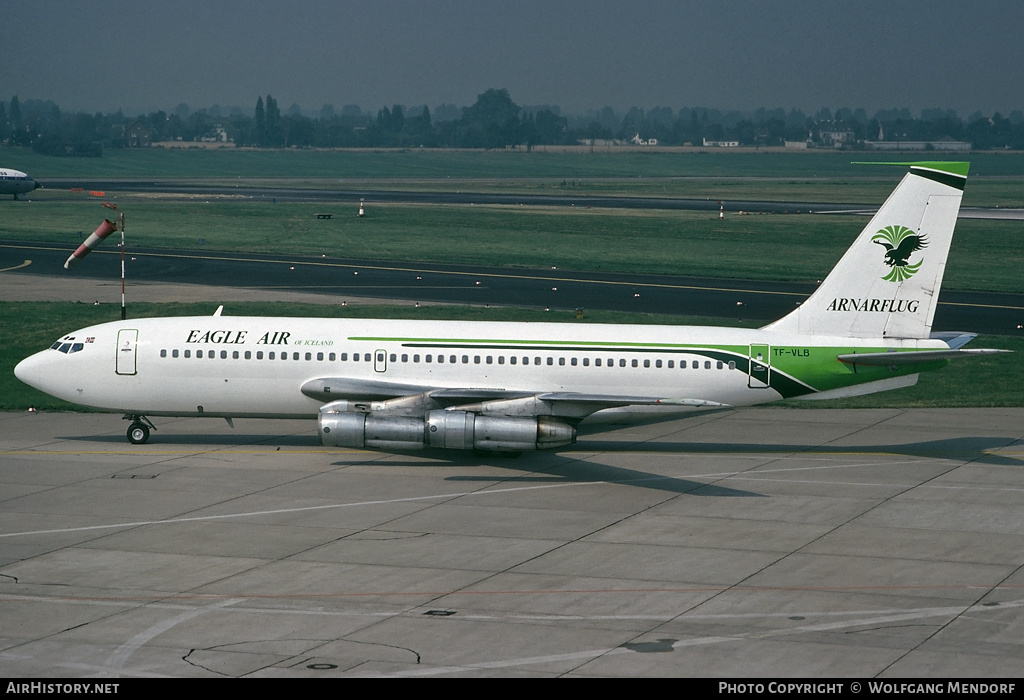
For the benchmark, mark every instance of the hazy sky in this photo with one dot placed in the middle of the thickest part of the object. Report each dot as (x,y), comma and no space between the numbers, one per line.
(142,55)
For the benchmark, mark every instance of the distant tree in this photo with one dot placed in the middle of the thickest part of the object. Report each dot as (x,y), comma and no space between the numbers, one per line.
(492,121)
(550,128)
(298,130)
(275,130)
(260,137)
(16,135)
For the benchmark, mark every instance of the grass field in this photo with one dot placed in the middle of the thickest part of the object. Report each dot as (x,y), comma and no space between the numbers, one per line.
(798,247)
(427,163)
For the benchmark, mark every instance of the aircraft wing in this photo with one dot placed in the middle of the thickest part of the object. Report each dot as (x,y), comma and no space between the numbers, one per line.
(485,400)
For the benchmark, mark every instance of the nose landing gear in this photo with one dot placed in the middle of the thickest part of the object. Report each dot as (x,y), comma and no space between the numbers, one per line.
(138,431)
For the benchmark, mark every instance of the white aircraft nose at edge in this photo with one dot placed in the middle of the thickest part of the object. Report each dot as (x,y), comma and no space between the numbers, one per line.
(513,387)
(15,182)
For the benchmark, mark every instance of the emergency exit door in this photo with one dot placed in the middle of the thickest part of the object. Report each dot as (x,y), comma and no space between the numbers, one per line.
(760,367)
(127,340)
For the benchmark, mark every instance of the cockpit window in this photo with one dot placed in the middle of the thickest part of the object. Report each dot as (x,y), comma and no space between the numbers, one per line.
(68,345)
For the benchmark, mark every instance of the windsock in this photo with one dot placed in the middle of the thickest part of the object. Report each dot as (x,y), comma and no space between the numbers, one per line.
(105,229)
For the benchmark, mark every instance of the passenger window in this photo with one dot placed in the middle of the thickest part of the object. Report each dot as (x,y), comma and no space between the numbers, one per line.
(551,361)
(234,355)
(174,353)
(223,354)
(188,353)
(695,364)
(199,353)
(163,353)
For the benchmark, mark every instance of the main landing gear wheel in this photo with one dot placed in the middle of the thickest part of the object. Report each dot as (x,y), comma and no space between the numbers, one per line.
(138,433)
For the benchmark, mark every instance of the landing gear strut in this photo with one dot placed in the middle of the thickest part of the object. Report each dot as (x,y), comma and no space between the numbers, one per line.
(138,431)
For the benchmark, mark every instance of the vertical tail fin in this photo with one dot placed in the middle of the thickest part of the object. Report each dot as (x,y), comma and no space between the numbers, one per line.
(887,283)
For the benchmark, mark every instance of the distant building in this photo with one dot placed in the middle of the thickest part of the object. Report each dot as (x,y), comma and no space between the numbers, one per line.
(644,142)
(835,138)
(138,135)
(215,135)
(721,144)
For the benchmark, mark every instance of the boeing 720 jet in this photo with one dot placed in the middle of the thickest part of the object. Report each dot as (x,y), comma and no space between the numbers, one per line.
(513,387)
(16,182)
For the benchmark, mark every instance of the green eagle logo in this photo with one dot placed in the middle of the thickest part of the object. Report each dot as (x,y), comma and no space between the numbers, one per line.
(899,243)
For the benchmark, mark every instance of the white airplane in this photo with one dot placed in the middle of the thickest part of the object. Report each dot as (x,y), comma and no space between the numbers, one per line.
(513,387)
(15,182)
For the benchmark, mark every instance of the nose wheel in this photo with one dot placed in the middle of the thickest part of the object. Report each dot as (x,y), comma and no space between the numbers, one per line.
(138,431)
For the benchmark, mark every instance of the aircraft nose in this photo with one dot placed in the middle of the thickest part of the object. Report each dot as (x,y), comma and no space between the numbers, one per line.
(33,370)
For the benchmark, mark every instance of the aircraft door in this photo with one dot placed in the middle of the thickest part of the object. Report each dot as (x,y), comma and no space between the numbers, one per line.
(760,367)
(380,361)
(127,340)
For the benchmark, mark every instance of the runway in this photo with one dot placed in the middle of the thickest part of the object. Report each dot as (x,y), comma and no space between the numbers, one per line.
(769,543)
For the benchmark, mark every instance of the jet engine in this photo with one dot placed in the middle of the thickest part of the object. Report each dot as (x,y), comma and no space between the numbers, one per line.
(459,430)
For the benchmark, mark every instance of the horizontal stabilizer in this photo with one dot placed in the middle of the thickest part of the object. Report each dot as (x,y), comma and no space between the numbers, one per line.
(897,359)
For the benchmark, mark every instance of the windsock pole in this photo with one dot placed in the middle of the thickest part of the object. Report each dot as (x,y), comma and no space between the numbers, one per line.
(104,230)
(124,308)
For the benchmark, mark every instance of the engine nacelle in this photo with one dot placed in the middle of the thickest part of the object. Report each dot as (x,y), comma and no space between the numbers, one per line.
(459,430)
(352,429)
(462,430)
